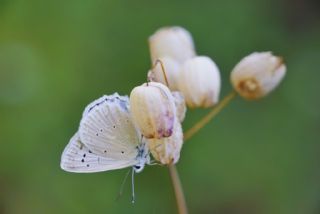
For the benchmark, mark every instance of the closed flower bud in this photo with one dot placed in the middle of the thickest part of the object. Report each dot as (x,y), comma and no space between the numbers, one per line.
(257,75)
(180,104)
(153,110)
(167,150)
(174,42)
(171,68)
(199,82)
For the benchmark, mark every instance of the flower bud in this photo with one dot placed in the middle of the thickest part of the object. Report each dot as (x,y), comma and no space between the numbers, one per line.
(199,81)
(171,70)
(174,42)
(180,104)
(257,75)
(153,110)
(167,150)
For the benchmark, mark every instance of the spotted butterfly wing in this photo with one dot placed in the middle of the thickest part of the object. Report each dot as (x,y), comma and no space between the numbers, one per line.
(106,140)
(77,157)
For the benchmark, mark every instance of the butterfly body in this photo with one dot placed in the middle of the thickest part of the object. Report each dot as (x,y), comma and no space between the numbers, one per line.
(143,158)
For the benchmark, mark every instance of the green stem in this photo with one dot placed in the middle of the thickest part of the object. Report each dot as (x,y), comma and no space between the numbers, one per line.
(180,199)
(207,118)
(181,202)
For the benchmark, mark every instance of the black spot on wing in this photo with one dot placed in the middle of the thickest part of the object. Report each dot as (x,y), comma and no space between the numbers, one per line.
(99,103)
(122,102)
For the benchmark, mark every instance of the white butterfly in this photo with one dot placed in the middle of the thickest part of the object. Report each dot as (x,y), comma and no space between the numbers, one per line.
(107,139)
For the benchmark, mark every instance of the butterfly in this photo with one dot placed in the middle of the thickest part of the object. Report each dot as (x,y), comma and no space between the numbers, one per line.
(107,139)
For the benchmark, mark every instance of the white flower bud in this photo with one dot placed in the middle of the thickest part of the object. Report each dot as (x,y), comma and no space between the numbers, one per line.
(172,69)
(153,110)
(167,150)
(174,42)
(257,75)
(199,82)
(180,104)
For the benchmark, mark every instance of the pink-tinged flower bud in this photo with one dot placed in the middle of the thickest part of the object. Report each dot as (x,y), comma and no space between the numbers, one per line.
(174,42)
(167,150)
(171,68)
(180,104)
(199,81)
(257,75)
(153,110)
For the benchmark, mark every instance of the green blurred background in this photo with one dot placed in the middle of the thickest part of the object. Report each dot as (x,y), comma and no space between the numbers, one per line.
(255,157)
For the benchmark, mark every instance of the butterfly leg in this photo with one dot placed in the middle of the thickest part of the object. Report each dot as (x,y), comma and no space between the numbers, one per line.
(122,185)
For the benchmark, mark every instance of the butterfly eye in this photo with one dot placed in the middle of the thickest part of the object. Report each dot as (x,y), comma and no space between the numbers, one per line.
(137,167)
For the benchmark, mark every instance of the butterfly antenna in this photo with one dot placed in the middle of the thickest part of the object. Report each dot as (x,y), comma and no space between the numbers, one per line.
(132,184)
(122,185)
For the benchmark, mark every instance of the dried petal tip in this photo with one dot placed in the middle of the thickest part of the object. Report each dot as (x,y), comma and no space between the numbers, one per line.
(170,68)
(174,42)
(153,110)
(167,150)
(200,82)
(257,75)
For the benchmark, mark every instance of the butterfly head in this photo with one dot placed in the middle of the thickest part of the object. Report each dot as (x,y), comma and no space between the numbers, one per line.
(143,157)
(138,167)
(142,162)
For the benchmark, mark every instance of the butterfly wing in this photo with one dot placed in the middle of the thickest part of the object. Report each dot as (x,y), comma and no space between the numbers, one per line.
(77,157)
(107,129)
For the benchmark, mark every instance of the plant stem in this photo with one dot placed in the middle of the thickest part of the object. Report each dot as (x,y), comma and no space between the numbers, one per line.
(181,201)
(163,70)
(196,127)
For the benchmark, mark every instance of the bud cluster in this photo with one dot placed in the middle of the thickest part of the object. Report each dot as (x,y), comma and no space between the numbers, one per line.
(196,77)
(180,78)
(157,114)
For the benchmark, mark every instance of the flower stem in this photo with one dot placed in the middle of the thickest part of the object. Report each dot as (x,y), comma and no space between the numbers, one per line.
(181,201)
(196,127)
(163,71)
